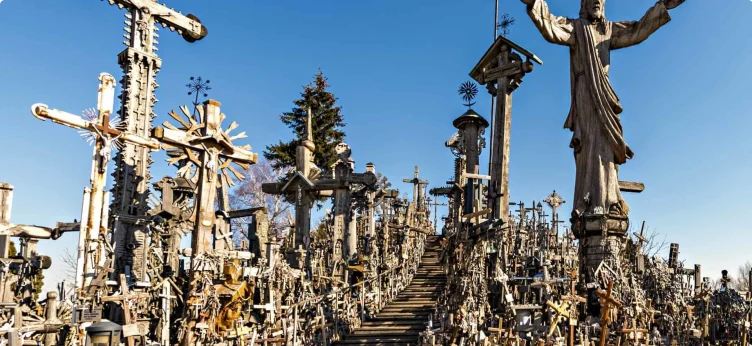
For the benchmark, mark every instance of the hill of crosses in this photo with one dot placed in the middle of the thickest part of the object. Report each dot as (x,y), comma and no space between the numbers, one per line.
(377,269)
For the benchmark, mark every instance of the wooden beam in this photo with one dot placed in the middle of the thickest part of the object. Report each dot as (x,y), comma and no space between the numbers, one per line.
(628,186)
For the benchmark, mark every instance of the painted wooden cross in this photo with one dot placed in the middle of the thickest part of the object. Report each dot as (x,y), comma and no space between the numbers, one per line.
(210,150)
(607,303)
(95,210)
(574,300)
(561,313)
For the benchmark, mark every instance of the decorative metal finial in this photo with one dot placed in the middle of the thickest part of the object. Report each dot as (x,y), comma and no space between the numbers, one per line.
(505,23)
(468,90)
(198,87)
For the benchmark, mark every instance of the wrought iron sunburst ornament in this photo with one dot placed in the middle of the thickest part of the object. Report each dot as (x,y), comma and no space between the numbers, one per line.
(504,24)
(468,90)
(198,87)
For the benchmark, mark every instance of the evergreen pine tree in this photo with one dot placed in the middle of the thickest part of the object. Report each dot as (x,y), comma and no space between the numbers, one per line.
(327,123)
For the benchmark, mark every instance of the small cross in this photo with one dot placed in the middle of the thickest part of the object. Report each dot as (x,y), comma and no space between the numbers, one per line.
(634,333)
(561,313)
(641,237)
(498,331)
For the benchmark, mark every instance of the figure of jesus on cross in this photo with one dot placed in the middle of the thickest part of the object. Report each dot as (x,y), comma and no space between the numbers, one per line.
(598,141)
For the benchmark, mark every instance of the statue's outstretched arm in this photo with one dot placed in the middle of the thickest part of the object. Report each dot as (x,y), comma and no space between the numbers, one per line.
(554,29)
(626,34)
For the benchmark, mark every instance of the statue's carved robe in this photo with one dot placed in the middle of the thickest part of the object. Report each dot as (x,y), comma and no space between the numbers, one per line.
(597,140)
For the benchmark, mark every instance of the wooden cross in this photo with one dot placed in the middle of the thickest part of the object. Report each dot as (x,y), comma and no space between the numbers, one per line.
(166,311)
(561,312)
(607,302)
(641,240)
(140,65)
(94,215)
(502,73)
(418,185)
(101,279)
(144,14)
(215,154)
(122,301)
(574,300)
(499,331)
(634,333)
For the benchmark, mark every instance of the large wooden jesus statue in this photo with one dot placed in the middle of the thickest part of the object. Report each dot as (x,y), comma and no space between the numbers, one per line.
(598,142)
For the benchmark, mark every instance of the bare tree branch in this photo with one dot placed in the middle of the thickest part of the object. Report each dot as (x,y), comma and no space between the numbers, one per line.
(248,194)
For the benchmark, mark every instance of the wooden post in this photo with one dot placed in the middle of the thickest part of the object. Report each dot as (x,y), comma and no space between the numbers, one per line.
(6,201)
(50,315)
(501,71)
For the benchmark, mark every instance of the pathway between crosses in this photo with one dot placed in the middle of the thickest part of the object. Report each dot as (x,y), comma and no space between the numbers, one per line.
(401,321)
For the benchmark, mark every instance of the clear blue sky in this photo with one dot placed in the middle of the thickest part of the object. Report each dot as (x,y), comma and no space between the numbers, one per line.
(396,67)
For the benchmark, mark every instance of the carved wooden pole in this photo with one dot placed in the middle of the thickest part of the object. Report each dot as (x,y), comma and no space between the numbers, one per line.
(140,65)
(501,71)
(6,201)
(95,212)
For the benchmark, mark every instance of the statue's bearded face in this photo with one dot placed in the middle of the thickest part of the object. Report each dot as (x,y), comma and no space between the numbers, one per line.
(593,9)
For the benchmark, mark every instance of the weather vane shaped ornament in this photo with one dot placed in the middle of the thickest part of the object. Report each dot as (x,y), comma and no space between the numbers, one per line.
(198,87)
(468,90)
(504,24)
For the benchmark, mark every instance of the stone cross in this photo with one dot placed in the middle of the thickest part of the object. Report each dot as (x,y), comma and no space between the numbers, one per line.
(140,65)
(94,214)
(501,71)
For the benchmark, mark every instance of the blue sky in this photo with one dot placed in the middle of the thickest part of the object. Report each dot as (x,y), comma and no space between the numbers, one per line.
(396,67)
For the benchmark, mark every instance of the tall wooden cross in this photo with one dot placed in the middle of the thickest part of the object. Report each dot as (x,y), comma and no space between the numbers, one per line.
(418,186)
(211,153)
(501,71)
(94,213)
(304,186)
(140,65)
(210,149)
(607,303)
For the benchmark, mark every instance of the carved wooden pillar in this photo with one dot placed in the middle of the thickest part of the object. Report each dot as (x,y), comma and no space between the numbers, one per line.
(501,70)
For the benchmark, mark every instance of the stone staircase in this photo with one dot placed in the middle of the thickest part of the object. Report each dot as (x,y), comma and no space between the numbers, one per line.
(401,320)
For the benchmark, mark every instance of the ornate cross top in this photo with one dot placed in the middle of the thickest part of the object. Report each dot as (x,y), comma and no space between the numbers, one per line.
(417,185)
(145,13)
(210,153)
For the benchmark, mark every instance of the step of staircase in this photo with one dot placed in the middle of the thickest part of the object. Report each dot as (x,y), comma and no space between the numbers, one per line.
(402,320)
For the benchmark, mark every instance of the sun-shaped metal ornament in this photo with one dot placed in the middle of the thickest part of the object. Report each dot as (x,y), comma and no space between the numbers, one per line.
(91,115)
(188,159)
(468,90)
